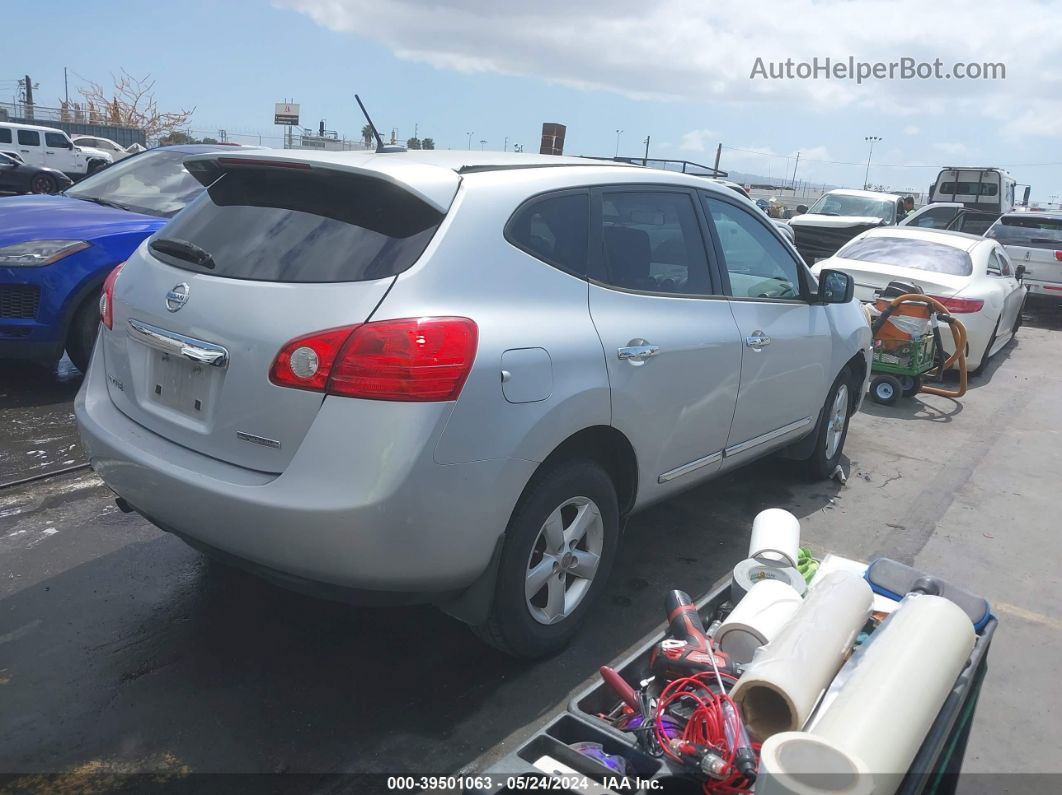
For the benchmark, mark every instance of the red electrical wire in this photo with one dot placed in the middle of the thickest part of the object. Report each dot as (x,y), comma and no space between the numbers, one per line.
(707,727)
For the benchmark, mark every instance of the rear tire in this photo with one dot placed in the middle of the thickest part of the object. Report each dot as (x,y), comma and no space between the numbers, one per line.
(44,183)
(885,389)
(988,348)
(832,429)
(573,504)
(83,330)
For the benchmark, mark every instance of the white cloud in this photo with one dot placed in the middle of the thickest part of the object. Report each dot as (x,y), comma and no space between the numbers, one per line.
(694,140)
(952,148)
(691,51)
(912,129)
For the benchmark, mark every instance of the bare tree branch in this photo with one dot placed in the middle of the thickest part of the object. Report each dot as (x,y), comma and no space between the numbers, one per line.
(131,103)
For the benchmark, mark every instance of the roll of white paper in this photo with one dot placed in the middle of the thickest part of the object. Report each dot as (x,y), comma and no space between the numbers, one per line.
(785,679)
(750,571)
(775,536)
(891,690)
(757,619)
(798,763)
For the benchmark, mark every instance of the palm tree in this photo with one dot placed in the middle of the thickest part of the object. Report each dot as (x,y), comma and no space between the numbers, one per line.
(367,136)
(427,143)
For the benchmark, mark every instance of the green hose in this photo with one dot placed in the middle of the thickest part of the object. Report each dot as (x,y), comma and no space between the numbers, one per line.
(806,564)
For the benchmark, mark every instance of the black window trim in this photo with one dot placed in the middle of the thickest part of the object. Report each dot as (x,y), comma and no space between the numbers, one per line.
(596,267)
(555,193)
(807,295)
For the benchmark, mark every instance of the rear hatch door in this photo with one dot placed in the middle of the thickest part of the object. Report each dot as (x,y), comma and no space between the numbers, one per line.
(265,255)
(1036,243)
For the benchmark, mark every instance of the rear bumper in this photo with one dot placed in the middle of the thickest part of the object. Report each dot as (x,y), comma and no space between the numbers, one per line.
(361,506)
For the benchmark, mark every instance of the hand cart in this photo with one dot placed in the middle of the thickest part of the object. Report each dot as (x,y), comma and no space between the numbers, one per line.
(907,348)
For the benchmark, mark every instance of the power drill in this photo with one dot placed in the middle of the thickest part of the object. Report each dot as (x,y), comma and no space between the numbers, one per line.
(686,651)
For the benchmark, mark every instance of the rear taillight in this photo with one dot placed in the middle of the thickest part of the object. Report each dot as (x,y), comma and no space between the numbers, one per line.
(960,306)
(107,298)
(413,359)
(1058,256)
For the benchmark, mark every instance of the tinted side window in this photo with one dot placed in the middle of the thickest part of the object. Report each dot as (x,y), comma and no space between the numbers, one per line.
(937,218)
(758,264)
(56,139)
(29,137)
(652,243)
(5,135)
(554,229)
(87,142)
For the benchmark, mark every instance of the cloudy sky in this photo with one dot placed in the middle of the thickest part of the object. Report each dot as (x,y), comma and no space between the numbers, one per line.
(677,71)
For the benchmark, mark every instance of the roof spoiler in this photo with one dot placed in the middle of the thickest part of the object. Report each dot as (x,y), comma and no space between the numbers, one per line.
(433,185)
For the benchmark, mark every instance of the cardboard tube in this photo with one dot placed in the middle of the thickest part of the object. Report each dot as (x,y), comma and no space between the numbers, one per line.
(757,619)
(784,681)
(892,689)
(775,537)
(797,763)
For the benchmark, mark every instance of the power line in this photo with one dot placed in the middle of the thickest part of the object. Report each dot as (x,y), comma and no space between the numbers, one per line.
(885,165)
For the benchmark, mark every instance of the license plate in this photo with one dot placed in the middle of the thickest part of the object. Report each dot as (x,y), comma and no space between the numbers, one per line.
(179,384)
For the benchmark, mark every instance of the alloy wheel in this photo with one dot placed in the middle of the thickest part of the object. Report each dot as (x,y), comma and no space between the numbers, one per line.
(564,560)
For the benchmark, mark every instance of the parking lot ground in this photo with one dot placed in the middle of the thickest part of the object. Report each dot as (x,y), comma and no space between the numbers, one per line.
(123,650)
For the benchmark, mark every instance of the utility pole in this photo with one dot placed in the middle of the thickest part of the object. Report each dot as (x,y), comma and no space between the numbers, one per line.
(505,146)
(718,154)
(66,87)
(645,160)
(469,141)
(618,134)
(29,98)
(872,139)
(482,143)
(794,172)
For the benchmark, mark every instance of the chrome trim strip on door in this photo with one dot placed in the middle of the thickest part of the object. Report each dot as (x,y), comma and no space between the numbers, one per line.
(178,344)
(685,469)
(767,437)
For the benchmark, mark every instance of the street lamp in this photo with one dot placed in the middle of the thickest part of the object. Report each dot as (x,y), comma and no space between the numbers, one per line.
(871,139)
(482,143)
(618,134)
(469,140)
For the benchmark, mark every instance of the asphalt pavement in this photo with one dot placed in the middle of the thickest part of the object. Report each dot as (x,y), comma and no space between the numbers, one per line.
(124,651)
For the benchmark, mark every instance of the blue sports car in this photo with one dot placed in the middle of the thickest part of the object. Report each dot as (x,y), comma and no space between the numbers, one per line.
(56,251)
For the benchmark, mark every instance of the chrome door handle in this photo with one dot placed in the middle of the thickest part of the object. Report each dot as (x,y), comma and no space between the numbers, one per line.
(757,339)
(638,353)
(180,345)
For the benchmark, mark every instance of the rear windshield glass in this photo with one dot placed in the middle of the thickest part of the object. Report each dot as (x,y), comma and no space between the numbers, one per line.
(1030,232)
(276,225)
(842,204)
(923,255)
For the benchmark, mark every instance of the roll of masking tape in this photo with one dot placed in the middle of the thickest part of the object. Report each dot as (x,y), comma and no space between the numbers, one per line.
(750,571)
(775,537)
(757,619)
(798,763)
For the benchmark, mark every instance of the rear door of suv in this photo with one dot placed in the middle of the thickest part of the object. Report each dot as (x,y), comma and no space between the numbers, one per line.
(670,342)
(1034,241)
(270,252)
(787,343)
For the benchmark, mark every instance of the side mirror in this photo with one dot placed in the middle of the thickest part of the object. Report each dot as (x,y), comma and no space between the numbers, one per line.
(835,287)
(1019,272)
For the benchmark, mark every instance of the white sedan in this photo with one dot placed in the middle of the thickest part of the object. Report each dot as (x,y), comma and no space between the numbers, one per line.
(972,276)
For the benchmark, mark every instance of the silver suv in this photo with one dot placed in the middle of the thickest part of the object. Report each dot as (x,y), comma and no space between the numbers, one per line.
(448,378)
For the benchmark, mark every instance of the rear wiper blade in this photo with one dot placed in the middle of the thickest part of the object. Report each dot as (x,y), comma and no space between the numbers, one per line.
(182,249)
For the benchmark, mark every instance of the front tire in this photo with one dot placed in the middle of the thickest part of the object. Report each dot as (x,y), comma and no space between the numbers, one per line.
(558,551)
(83,330)
(832,429)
